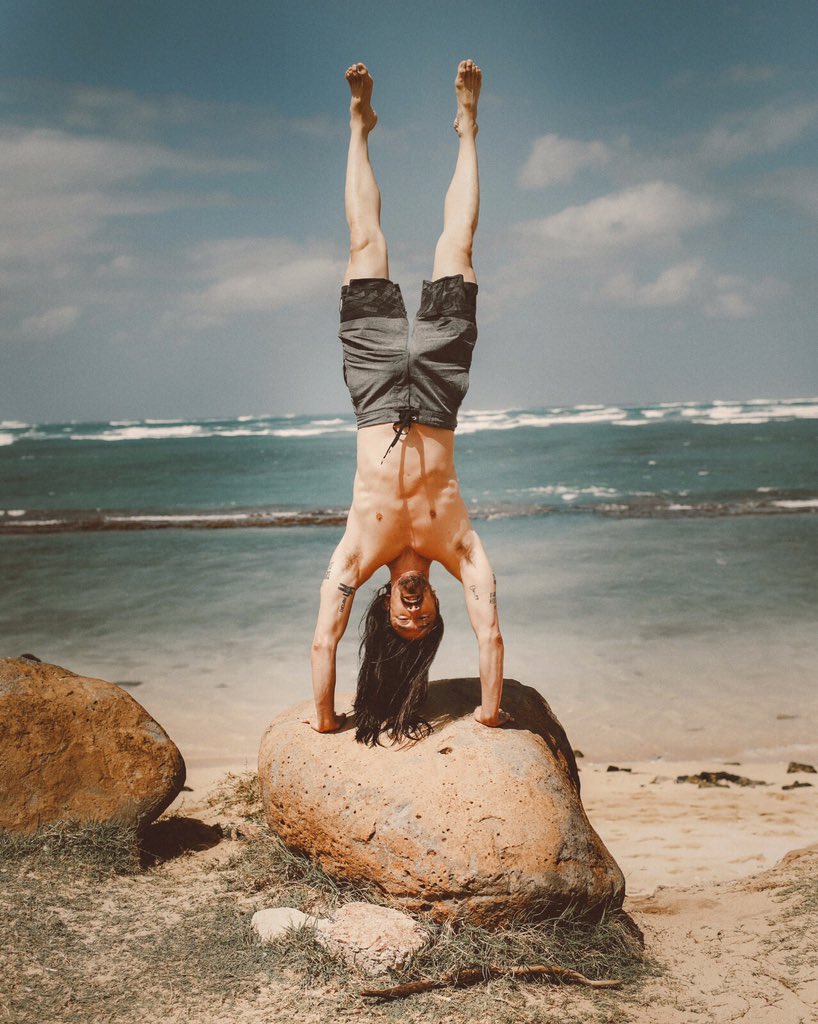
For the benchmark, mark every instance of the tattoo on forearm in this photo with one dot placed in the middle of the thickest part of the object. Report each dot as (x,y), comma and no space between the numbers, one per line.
(347,591)
(329,570)
(493,597)
(473,589)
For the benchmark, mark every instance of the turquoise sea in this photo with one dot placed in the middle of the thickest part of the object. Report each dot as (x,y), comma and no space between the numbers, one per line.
(657,567)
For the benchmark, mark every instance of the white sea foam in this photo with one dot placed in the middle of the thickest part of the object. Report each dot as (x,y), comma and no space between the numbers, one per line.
(797,503)
(146,432)
(570,493)
(720,412)
(312,431)
(14,512)
(41,522)
(470,422)
(753,411)
(173,518)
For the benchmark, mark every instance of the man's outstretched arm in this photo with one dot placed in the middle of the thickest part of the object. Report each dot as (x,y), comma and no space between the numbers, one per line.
(480,591)
(337,593)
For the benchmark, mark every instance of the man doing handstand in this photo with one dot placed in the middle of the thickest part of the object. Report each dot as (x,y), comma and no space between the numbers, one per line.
(406,510)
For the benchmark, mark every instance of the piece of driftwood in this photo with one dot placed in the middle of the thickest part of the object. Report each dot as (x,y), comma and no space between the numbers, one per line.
(473,975)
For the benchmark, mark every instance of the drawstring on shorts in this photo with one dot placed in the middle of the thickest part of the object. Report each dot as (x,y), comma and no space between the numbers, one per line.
(404,424)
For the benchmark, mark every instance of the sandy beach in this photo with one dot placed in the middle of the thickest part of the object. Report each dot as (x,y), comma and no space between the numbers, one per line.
(709,871)
(728,911)
(662,833)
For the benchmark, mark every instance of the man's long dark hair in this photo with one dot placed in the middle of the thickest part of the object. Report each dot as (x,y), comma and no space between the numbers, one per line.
(393,676)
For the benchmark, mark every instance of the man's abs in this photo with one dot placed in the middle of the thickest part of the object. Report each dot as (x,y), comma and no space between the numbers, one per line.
(411,498)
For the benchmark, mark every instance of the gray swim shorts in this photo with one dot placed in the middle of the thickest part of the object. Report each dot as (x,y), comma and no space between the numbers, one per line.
(395,378)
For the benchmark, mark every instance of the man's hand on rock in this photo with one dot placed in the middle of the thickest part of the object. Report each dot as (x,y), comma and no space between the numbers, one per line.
(334,724)
(492,721)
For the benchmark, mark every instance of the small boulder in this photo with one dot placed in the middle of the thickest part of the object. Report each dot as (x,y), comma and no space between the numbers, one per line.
(272,923)
(470,823)
(74,748)
(370,938)
(795,766)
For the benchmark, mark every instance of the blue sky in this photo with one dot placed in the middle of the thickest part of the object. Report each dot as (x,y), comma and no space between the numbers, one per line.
(171,217)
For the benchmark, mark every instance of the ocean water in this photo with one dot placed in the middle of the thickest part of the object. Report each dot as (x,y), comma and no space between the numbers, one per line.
(656,567)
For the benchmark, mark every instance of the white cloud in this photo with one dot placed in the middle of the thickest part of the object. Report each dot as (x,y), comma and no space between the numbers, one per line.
(43,158)
(749,74)
(654,210)
(797,186)
(758,131)
(693,284)
(262,274)
(58,189)
(672,287)
(51,323)
(554,159)
(120,266)
(730,305)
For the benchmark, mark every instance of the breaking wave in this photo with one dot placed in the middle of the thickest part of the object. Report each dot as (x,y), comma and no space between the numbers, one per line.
(720,412)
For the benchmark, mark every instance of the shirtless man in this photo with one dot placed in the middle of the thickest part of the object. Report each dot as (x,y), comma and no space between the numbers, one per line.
(406,511)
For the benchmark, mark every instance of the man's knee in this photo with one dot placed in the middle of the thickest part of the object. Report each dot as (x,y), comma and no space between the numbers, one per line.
(368,256)
(453,255)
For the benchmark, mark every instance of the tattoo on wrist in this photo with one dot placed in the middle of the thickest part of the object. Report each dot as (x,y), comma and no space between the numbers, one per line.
(493,597)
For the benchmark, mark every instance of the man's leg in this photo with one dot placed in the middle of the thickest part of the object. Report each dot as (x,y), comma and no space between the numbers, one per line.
(362,198)
(462,205)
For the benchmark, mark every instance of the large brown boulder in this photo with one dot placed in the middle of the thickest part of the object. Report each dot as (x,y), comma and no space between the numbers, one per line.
(469,823)
(74,748)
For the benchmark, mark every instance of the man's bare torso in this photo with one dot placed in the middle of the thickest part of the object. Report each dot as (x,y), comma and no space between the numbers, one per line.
(411,499)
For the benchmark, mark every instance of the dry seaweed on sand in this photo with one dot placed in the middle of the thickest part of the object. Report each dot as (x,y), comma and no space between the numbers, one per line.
(720,779)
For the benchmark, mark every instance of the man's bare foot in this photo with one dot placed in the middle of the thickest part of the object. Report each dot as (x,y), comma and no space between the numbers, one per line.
(501,718)
(360,106)
(467,84)
(334,725)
